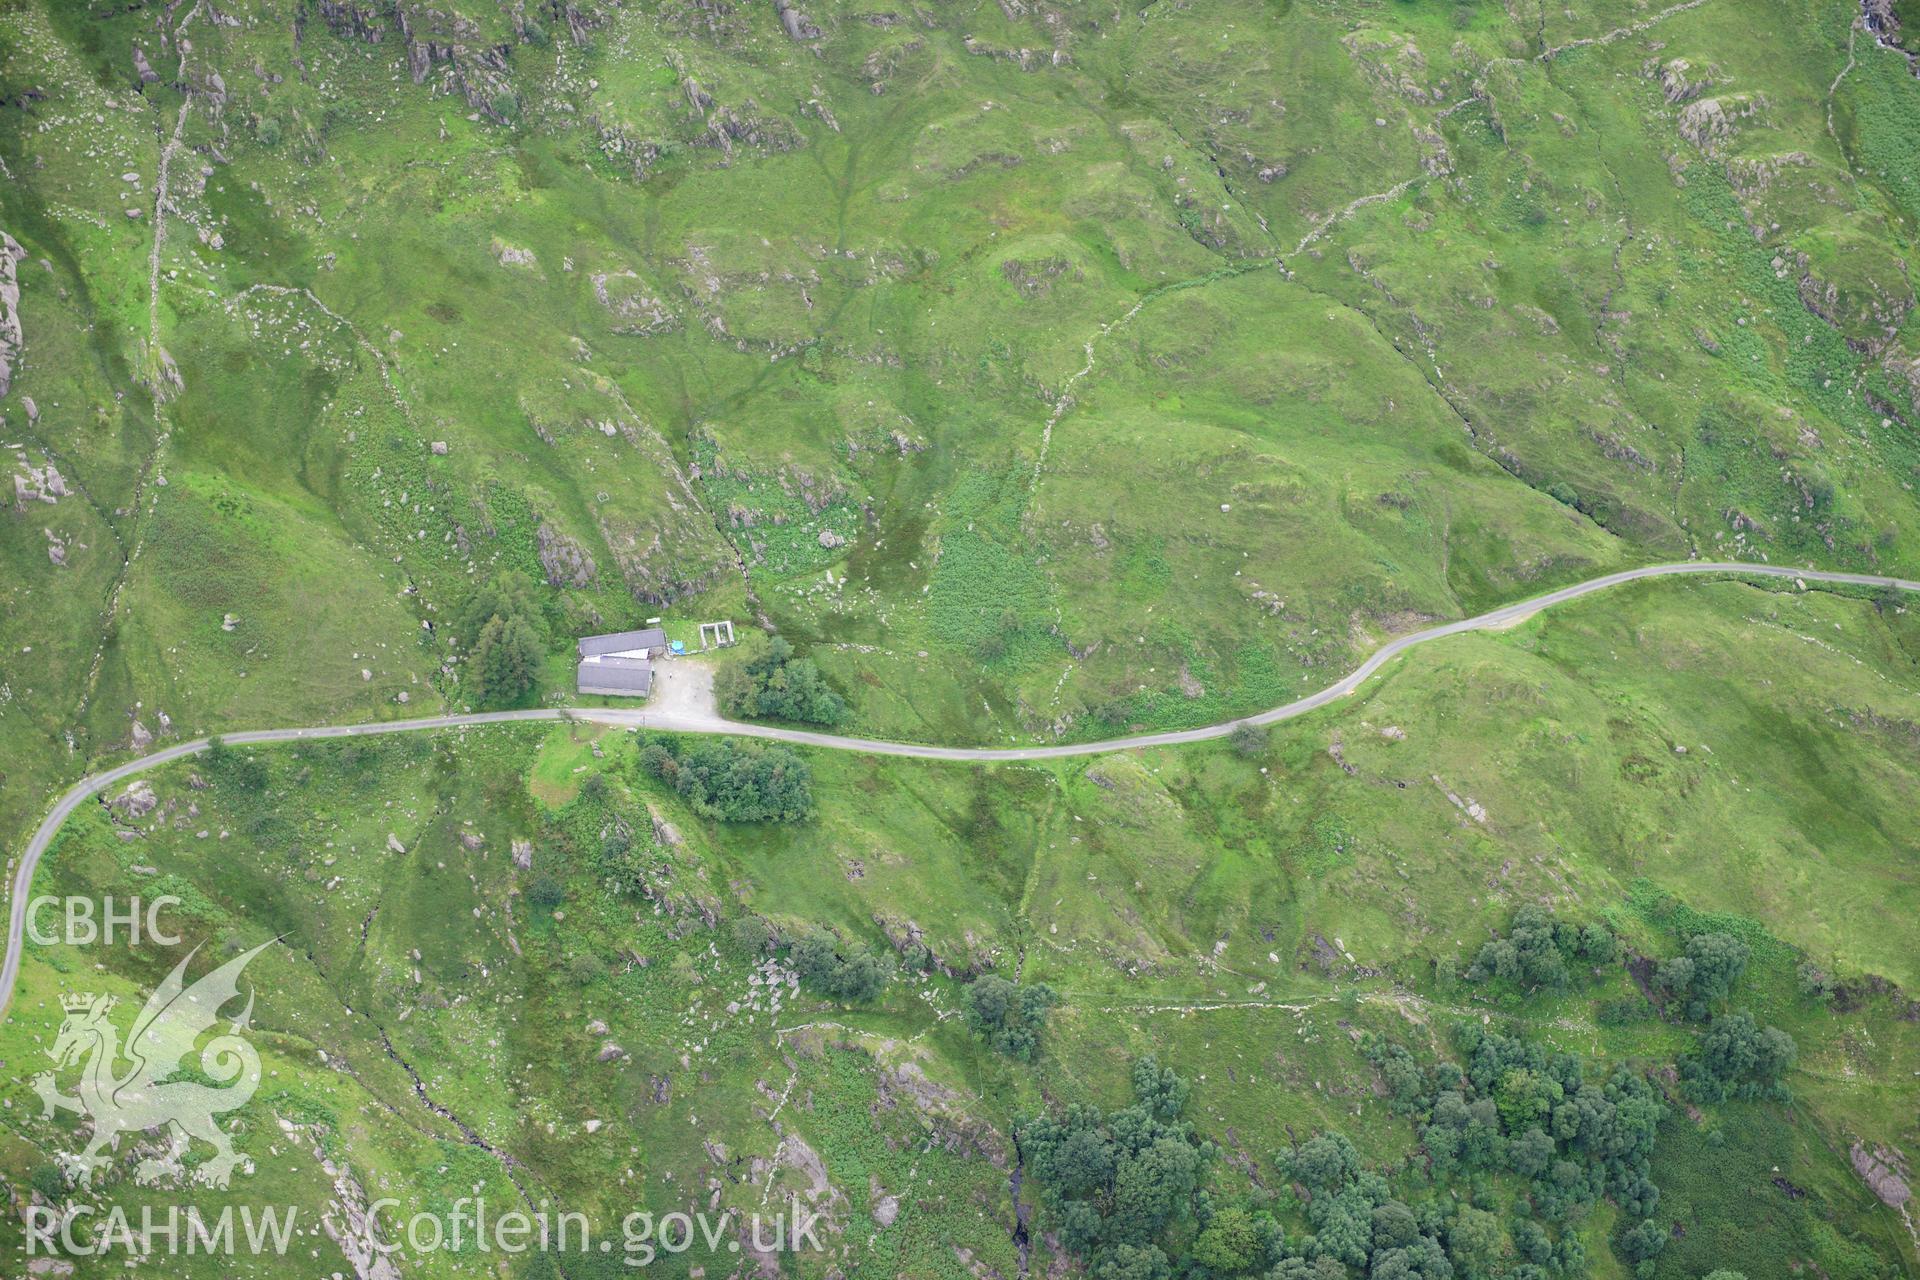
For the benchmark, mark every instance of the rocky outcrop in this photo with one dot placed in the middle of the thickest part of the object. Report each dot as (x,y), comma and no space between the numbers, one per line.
(1711,122)
(1393,64)
(1884,23)
(578,22)
(725,125)
(634,309)
(795,23)
(618,143)
(566,564)
(1681,81)
(12,338)
(137,801)
(513,255)
(1884,1170)
(353,21)
(38,484)
(1034,278)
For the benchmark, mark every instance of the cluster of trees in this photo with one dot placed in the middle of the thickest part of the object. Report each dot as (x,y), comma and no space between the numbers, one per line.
(1738,1058)
(1124,1189)
(1735,1057)
(1009,1015)
(1704,975)
(778,686)
(1539,950)
(501,629)
(1357,1222)
(733,780)
(838,970)
(1517,1108)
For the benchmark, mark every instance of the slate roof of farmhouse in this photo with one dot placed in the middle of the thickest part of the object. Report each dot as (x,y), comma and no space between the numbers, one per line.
(615,675)
(621,641)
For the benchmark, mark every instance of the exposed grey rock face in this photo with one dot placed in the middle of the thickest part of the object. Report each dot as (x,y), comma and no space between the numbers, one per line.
(567,565)
(137,801)
(38,484)
(634,309)
(143,68)
(1709,122)
(11,337)
(1881,1170)
(513,255)
(795,23)
(1681,81)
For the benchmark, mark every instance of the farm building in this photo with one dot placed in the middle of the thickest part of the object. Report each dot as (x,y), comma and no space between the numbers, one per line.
(650,643)
(619,676)
(619,664)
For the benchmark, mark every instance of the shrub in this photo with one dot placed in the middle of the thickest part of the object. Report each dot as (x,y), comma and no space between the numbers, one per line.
(751,935)
(1641,1242)
(1538,949)
(1706,973)
(1622,1012)
(1008,1015)
(778,686)
(546,891)
(733,780)
(1161,1092)
(233,769)
(1740,1059)
(839,971)
(1814,982)
(1248,739)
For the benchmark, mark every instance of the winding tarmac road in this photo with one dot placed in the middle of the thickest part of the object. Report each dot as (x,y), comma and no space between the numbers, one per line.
(697,721)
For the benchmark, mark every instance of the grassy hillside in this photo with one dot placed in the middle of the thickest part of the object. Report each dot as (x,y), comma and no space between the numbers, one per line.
(1040,371)
(1043,370)
(435,1018)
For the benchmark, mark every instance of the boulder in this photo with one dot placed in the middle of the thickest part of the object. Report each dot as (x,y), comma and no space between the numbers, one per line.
(137,801)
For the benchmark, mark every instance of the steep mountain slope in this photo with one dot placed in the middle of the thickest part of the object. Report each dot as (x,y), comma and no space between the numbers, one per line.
(1044,369)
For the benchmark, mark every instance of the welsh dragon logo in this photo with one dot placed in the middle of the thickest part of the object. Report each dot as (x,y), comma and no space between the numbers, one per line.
(146,1096)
